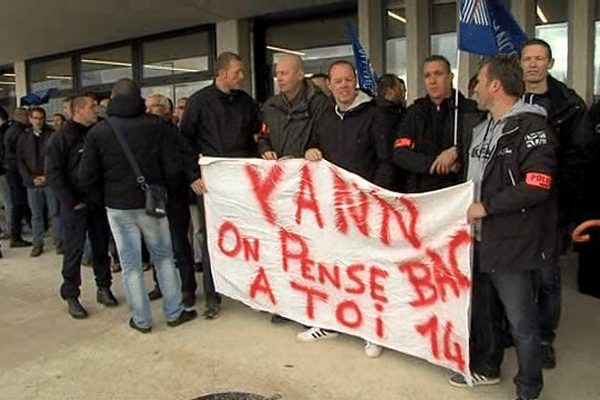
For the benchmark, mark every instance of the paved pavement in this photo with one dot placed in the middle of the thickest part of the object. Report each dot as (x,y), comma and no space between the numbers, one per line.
(45,354)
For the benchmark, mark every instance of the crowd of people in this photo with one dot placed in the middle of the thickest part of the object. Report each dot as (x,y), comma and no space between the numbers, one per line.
(526,141)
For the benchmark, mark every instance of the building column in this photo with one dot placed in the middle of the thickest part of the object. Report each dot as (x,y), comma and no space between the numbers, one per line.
(371,31)
(235,36)
(20,81)
(580,66)
(418,43)
(524,13)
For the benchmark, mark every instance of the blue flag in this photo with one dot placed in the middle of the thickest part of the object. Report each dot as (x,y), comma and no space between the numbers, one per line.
(487,28)
(363,64)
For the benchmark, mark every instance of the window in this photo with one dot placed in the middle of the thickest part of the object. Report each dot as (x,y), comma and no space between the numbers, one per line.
(177,56)
(105,66)
(52,74)
(319,41)
(551,26)
(396,42)
(176,90)
(7,89)
(444,37)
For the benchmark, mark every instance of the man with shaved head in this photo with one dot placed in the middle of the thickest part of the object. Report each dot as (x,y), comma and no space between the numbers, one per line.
(288,117)
(158,104)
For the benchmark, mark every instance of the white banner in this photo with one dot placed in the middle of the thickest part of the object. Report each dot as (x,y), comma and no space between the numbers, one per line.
(324,247)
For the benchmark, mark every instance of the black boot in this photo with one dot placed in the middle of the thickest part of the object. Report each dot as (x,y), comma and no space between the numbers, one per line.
(75,308)
(105,296)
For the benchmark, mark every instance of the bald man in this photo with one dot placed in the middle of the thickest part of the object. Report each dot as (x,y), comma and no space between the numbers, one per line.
(159,105)
(288,117)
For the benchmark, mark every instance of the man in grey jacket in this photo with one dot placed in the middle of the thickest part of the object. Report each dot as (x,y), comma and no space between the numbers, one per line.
(511,160)
(288,117)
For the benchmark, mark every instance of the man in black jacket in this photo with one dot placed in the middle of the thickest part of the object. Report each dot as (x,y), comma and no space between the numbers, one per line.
(566,116)
(106,169)
(288,117)
(220,120)
(5,195)
(426,144)
(511,162)
(78,215)
(354,135)
(31,153)
(15,183)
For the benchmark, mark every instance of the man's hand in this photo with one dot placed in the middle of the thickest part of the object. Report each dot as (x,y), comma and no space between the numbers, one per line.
(269,155)
(39,180)
(578,236)
(79,206)
(313,155)
(444,162)
(475,212)
(199,186)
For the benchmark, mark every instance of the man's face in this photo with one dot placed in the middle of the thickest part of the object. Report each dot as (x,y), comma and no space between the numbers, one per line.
(535,63)
(88,115)
(180,108)
(233,76)
(438,81)
(321,82)
(36,119)
(342,83)
(57,122)
(288,75)
(67,109)
(153,106)
(482,92)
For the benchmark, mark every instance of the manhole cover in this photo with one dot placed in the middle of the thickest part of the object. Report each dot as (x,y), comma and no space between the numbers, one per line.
(236,396)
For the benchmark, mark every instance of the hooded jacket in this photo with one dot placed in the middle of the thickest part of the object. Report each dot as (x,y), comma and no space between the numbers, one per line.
(104,166)
(63,157)
(31,153)
(286,128)
(218,124)
(357,140)
(512,162)
(426,131)
(567,117)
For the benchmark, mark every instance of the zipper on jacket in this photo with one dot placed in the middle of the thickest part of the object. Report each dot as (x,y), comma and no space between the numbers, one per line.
(514,183)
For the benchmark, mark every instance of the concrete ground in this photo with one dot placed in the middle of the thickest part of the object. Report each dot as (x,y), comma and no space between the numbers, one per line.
(45,354)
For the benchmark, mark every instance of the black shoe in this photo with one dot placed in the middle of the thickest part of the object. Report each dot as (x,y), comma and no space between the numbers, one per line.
(139,328)
(60,249)
(105,296)
(188,299)
(75,308)
(185,316)
(36,251)
(198,267)
(155,294)
(548,356)
(212,311)
(19,243)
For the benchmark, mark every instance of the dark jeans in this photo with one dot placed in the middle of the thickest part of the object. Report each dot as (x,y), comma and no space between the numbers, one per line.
(75,224)
(209,286)
(178,212)
(549,299)
(19,199)
(515,291)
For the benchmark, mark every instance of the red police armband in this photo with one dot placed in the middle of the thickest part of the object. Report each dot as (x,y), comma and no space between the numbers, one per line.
(538,180)
(403,143)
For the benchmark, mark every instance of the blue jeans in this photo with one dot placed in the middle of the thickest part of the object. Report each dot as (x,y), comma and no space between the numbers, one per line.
(515,291)
(128,227)
(6,198)
(37,197)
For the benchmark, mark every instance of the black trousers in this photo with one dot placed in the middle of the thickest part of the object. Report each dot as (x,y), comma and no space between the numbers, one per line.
(75,224)
(209,286)
(19,198)
(178,211)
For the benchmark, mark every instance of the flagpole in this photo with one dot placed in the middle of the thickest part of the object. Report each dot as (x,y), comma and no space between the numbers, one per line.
(456,99)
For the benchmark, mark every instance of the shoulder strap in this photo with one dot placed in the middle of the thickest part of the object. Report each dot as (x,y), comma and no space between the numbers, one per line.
(112,122)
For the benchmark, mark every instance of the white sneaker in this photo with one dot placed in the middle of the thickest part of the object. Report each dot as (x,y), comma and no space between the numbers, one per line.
(313,334)
(372,350)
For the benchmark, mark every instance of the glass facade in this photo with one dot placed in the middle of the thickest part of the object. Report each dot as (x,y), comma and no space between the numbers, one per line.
(177,56)
(7,89)
(396,42)
(444,37)
(551,26)
(52,74)
(106,66)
